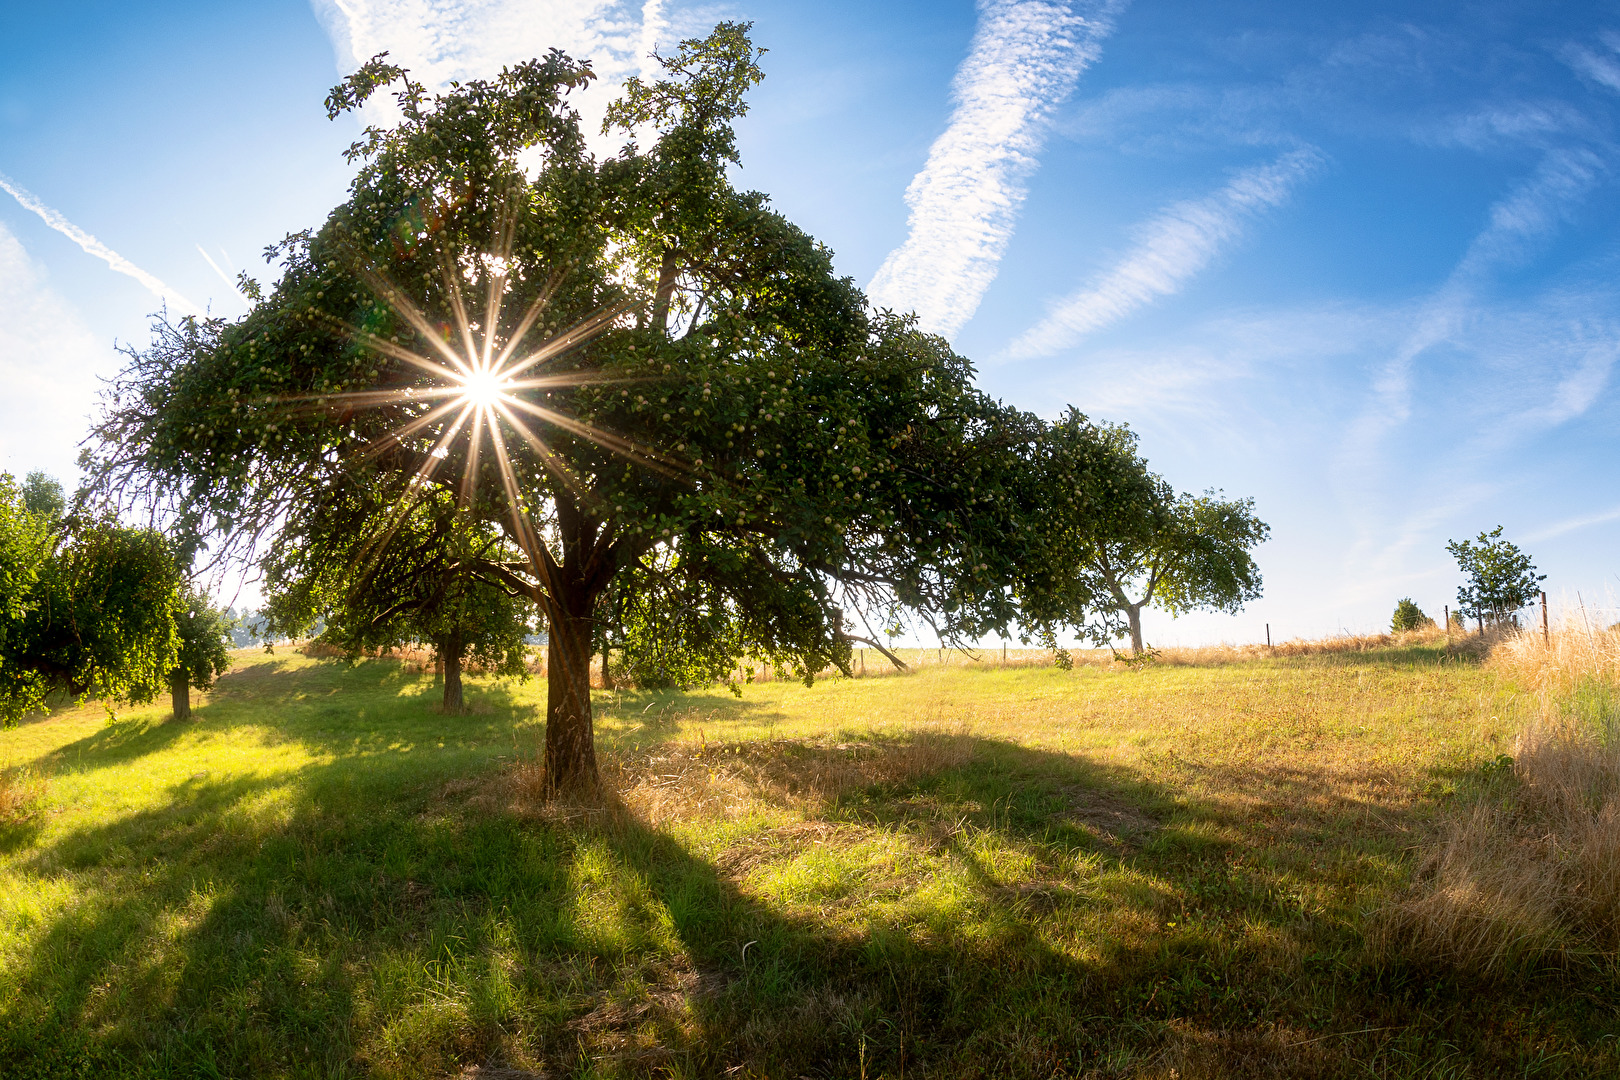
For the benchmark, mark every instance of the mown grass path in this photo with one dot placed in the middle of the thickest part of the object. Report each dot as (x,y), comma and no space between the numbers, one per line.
(1020,872)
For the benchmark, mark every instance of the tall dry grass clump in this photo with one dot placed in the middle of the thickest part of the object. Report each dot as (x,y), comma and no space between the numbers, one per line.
(1527,868)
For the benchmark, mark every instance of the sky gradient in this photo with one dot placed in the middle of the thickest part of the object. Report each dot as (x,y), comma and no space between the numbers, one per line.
(1359,265)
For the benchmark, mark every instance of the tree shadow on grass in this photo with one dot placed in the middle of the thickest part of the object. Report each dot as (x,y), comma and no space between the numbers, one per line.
(332,921)
(118,742)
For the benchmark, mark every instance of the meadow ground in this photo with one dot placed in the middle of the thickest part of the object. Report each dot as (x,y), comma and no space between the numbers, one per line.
(970,870)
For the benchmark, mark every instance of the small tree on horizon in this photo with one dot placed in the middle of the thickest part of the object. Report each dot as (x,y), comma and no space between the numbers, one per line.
(1501,579)
(42,494)
(1408,616)
(1195,556)
(1114,538)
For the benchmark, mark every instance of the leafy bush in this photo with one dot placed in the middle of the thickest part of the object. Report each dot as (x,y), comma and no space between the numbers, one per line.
(1408,616)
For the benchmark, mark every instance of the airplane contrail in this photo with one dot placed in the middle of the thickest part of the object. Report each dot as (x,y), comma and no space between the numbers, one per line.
(90,245)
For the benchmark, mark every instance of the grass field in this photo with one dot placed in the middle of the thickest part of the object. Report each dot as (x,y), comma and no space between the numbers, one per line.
(967,871)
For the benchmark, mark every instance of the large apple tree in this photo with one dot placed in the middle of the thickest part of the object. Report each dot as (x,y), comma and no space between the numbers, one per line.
(639,373)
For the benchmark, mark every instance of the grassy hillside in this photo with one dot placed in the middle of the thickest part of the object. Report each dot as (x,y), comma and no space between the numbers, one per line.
(1008,871)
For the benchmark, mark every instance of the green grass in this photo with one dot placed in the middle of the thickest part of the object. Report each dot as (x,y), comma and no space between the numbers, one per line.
(1008,872)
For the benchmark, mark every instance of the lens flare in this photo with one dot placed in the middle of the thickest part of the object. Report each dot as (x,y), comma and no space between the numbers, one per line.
(478,382)
(483,388)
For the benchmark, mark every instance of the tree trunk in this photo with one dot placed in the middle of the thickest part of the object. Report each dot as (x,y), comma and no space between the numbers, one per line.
(666,289)
(450,653)
(570,739)
(1133,612)
(180,693)
(607,677)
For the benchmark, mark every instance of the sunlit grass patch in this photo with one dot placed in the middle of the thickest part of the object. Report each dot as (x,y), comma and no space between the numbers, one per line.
(1013,871)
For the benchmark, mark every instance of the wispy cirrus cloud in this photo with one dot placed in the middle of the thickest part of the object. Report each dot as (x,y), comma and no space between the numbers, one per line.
(1516,224)
(1024,61)
(1173,247)
(91,246)
(1569,525)
(441,41)
(1601,69)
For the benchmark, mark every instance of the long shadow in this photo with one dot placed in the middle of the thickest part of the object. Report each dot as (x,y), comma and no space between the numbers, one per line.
(118,742)
(336,922)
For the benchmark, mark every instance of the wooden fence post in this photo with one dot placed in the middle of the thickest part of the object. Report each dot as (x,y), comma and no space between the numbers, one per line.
(1546,638)
(1268,635)
(1448,623)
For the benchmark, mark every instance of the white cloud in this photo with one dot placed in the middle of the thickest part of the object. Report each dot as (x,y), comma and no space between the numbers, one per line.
(95,247)
(223,276)
(1579,389)
(1025,59)
(441,41)
(49,363)
(1178,243)
(1510,123)
(1600,69)
(1533,210)
(1570,525)
(1516,224)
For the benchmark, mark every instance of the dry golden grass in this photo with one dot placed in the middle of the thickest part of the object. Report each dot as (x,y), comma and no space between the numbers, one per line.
(685,782)
(1528,868)
(873,664)
(1573,656)
(1458,642)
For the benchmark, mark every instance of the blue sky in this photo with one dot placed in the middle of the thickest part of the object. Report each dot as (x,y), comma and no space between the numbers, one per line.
(1360,264)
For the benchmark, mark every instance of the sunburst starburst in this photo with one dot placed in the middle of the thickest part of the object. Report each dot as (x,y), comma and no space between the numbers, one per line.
(477,392)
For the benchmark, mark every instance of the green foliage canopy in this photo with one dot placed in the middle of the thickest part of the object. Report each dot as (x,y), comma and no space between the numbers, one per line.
(87,608)
(377,578)
(1501,578)
(743,438)
(1127,532)
(205,636)
(42,495)
(1408,616)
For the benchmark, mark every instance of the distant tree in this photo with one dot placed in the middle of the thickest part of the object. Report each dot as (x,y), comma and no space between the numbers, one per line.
(1182,553)
(1501,578)
(203,655)
(244,627)
(378,580)
(1408,616)
(1094,490)
(87,608)
(42,494)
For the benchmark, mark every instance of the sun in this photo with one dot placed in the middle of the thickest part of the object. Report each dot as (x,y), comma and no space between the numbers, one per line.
(483,389)
(478,386)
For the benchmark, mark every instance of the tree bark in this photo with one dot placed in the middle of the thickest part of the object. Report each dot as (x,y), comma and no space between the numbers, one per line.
(666,289)
(180,693)
(451,650)
(1133,612)
(570,738)
(607,677)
